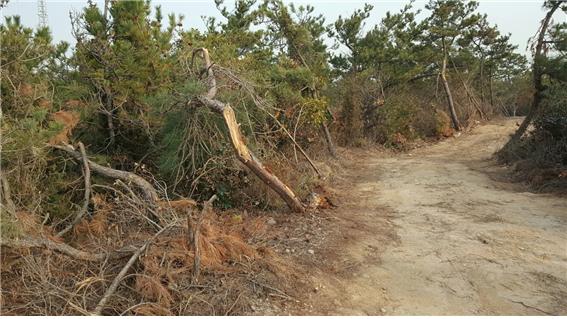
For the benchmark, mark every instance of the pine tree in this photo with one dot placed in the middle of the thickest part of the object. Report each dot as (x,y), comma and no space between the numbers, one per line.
(447,24)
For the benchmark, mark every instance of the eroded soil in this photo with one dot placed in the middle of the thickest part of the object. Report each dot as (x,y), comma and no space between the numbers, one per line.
(434,232)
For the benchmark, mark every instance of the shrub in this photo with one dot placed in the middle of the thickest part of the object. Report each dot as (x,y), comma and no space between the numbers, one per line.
(553,120)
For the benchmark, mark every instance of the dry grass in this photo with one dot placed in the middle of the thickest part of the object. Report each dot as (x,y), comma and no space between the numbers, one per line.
(234,266)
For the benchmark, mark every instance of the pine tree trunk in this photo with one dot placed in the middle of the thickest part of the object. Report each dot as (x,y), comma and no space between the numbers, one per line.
(328,137)
(329,140)
(537,75)
(482,80)
(491,91)
(452,111)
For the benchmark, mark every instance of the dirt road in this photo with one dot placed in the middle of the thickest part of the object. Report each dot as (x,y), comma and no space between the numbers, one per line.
(432,233)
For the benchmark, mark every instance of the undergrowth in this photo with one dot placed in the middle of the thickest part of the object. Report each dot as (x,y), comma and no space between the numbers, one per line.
(233,263)
(540,157)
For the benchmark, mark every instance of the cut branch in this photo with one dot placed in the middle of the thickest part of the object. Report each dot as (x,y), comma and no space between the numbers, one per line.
(87,177)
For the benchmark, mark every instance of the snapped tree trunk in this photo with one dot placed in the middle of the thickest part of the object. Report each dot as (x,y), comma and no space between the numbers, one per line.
(451,104)
(537,75)
(243,154)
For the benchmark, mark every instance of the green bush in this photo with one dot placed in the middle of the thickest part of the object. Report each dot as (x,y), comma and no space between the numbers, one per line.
(553,118)
(396,119)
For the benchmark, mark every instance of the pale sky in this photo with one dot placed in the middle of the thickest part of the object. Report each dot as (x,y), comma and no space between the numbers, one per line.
(520,17)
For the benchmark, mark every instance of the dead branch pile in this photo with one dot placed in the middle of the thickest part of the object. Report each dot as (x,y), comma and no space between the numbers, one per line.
(126,250)
(117,263)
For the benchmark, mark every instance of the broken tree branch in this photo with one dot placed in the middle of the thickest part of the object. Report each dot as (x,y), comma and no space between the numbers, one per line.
(26,243)
(211,80)
(87,177)
(147,188)
(193,232)
(242,152)
(110,291)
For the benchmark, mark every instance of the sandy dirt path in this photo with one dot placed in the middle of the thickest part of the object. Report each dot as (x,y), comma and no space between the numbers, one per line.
(431,233)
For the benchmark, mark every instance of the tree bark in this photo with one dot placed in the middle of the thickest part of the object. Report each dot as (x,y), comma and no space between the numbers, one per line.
(26,243)
(329,139)
(243,154)
(537,75)
(450,102)
(85,207)
(490,89)
(482,79)
(106,3)
(108,111)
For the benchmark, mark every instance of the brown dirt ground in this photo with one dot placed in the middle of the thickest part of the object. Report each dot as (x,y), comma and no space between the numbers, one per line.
(436,231)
